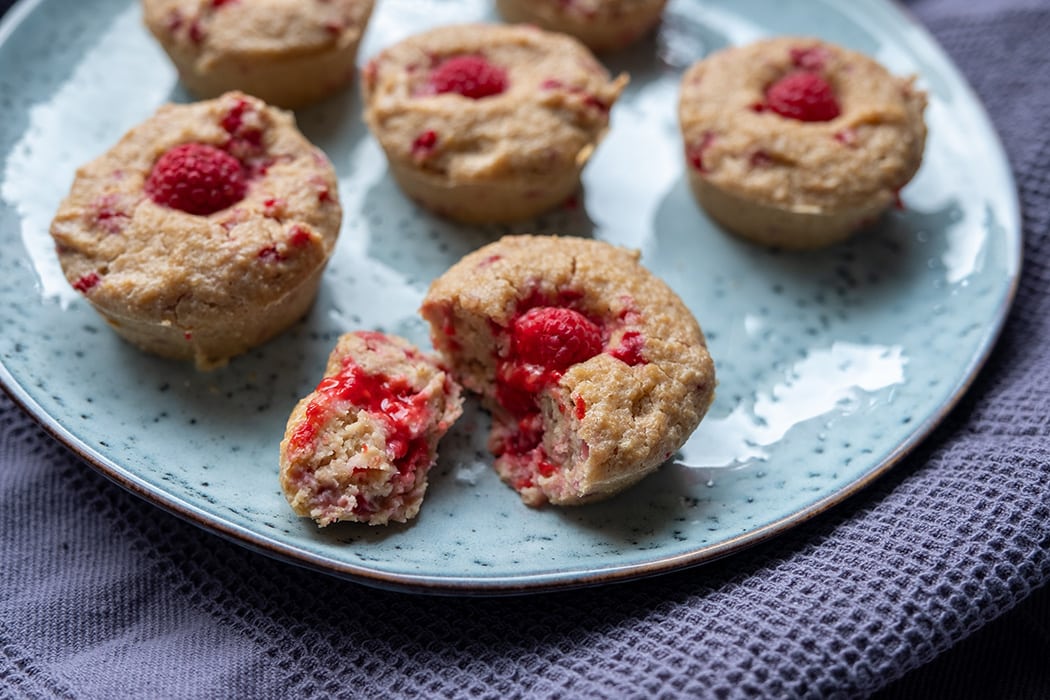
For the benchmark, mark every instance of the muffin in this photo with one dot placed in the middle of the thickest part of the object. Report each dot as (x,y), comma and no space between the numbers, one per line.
(594,371)
(204,231)
(798,143)
(487,123)
(603,25)
(359,447)
(286,52)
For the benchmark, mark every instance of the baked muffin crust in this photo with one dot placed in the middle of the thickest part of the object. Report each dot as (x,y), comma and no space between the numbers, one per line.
(504,156)
(603,25)
(202,286)
(594,370)
(784,181)
(286,52)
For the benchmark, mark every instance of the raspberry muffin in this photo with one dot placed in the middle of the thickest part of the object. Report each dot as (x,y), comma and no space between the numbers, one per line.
(487,123)
(359,447)
(797,143)
(603,25)
(204,231)
(286,52)
(594,370)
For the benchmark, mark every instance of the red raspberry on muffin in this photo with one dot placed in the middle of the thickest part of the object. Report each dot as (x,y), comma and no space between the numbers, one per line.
(470,76)
(805,96)
(196,179)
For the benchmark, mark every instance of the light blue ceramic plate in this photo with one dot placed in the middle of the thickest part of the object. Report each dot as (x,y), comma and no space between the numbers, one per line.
(831,365)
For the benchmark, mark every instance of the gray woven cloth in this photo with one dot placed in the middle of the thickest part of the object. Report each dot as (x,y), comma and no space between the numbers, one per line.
(103,595)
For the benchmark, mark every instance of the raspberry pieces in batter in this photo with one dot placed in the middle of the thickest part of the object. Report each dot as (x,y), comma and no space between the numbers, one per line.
(798,143)
(594,371)
(488,123)
(204,231)
(359,447)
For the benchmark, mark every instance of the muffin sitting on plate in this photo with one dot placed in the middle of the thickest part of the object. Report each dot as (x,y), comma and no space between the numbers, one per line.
(286,52)
(204,231)
(594,370)
(488,123)
(603,25)
(798,143)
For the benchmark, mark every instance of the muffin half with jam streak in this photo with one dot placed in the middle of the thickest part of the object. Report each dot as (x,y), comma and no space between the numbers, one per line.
(594,370)
(359,447)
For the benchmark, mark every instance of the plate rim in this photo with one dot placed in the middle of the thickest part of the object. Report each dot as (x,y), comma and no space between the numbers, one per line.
(509,585)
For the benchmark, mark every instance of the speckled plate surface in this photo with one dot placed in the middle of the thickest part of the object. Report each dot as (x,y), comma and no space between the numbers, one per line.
(831,365)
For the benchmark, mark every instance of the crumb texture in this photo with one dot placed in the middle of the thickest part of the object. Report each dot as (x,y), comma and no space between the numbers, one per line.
(359,447)
(594,370)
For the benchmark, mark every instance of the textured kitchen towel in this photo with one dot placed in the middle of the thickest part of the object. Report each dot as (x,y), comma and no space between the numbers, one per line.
(103,595)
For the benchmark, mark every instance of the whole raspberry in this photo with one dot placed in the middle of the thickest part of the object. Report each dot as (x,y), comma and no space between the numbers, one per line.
(470,76)
(805,96)
(555,338)
(196,179)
